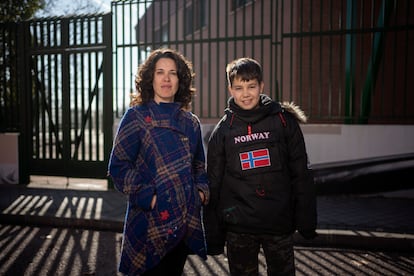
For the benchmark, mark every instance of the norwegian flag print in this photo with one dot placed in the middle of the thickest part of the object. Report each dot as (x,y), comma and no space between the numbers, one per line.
(254,159)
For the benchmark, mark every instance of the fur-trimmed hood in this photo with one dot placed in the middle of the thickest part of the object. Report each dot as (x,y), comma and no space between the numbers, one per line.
(294,109)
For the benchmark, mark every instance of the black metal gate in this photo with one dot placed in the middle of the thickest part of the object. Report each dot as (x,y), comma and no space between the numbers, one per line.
(68,96)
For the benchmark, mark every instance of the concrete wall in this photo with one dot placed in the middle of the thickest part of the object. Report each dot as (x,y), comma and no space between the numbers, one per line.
(333,143)
(9,158)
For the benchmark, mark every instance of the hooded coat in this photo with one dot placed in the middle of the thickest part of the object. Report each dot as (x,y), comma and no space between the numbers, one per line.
(158,150)
(259,173)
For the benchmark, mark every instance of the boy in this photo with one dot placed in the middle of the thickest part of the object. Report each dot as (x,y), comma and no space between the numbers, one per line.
(261,187)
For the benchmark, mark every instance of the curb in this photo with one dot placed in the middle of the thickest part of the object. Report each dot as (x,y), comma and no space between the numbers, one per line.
(88,224)
(353,239)
(366,240)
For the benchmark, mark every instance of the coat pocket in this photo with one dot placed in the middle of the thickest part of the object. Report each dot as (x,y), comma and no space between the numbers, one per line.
(166,228)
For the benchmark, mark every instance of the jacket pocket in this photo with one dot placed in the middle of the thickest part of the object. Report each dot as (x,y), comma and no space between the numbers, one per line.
(232,215)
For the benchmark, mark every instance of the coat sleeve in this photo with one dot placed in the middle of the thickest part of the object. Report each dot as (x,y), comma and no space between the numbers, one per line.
(215,233)
(126,173)
(305,212)
(199,165)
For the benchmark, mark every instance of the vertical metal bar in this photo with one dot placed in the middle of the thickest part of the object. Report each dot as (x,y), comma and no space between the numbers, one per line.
(330,64)
(349,62)
(200,12)
(78,131)
(234,35)
(300,46)
(193,31)
(35,104)
(130,71)
(90,97)
(123,73)
(375,60)
(76,27)
(114,10)
(244,29)
(253,42)
(146,20)
(274,50)
(153,40)
(24,74)
(56,82)
(209,86)
(226,54)
(49,96)
(99,59)
(310,85)
(319,95)
(65,94)
(83,88)
(176,24)
(262,52)
(43,104)
(108,114)
(341,61)
(209,46)
(406,53)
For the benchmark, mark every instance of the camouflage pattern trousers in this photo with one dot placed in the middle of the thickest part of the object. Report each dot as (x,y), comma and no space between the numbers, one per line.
(243,251)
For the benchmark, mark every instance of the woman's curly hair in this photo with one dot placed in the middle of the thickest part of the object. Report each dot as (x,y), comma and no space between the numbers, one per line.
(144,78)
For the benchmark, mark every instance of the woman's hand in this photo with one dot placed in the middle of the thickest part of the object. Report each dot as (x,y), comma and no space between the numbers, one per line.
(202,196)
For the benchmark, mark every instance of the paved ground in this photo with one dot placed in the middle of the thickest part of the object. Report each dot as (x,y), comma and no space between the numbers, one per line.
(33,251)
(374,221)
(369,230)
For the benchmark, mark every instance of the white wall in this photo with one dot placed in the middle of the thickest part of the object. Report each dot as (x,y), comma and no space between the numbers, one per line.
(332,143)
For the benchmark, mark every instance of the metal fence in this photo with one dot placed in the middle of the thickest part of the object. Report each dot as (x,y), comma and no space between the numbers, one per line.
(343,61)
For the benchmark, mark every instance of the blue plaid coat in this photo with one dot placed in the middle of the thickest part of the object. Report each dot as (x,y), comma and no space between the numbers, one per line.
(158,150)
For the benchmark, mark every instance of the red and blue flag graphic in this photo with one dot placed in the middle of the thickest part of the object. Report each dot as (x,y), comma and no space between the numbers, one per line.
(255,159)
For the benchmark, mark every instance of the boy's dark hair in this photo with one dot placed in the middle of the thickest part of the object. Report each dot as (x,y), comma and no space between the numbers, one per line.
(244,68)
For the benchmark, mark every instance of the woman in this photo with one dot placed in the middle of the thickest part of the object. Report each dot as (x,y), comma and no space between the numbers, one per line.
(158,162)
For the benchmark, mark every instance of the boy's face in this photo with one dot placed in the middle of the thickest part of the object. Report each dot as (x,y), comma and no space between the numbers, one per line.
(246,94)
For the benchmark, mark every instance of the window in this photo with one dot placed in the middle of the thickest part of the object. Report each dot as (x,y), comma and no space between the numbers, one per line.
(195,16)
(161,36)
(239,3)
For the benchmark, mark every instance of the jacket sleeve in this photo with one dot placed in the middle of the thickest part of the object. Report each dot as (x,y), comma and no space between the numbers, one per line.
(126,174)
(199,165)
(215,233)
(305,212)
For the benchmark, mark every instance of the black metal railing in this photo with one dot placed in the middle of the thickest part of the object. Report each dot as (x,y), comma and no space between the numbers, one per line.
(343,61)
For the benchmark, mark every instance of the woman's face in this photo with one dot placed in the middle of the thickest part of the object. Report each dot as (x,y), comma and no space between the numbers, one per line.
(165,82)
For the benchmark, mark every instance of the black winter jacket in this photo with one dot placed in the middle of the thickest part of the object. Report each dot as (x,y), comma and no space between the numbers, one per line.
(258,169)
